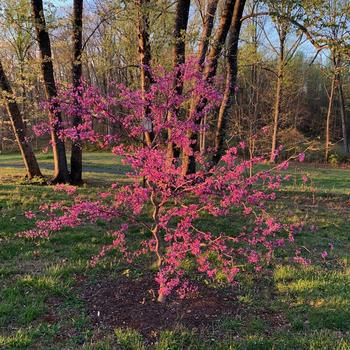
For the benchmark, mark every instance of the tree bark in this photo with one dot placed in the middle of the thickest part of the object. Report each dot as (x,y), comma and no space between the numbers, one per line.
(76,160)
(344,120)
(206,33)
(145,63)
(18,126)
(219,39)
(181,21)
(231,78)
(328,118)
(188,161)
(278,96)
(61,174)
(202,52)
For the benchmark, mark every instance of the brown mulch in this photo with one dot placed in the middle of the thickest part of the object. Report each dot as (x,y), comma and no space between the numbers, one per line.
(125,302)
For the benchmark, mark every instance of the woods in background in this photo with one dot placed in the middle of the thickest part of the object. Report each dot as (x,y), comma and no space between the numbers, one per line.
(282,67)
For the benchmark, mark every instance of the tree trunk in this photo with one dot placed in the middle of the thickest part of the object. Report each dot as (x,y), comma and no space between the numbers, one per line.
(254,91)
(1,134)
(76,160)
(145,62)
(202,52)
(181,21)
(276,114)
(18,126)
(219,39)
(278,96)
(206,33)
(329,113)
(197,105)
(344,120)
(231,78)
(61,174)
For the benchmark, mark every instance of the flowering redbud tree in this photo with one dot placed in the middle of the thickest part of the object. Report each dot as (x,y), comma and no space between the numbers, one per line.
(167,207)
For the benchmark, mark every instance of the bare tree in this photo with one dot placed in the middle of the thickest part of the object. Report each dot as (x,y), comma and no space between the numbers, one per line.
(285,9)
(61,173)
(145,63)
(18,126)
(231,78)
(330,106)
(181,21)
(188,162)
(76,160)
(208,25)
(344,117)
(279,86)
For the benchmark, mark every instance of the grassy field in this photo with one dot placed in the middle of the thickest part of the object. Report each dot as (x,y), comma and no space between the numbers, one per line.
(42,283)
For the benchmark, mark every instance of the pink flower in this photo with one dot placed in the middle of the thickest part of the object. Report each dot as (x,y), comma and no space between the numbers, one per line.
(247,211)
(301,157)
(313,228)
(253,258)
(29,215)
(265,129)
(302,261)
(283,166)
(65,188)
(105,195)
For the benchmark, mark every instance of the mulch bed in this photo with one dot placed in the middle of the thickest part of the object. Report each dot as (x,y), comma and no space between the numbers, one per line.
(125,302)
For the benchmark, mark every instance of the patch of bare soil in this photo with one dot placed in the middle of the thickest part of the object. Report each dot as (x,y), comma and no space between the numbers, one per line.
(125,302)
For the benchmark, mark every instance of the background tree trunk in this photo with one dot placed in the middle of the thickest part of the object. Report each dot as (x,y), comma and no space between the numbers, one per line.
(231,78)
(328,118)
(278,96)
(202,52)
(344,119)
(219,39)
(145,62)
(18,126)
(181,21)
(188,161)
(206,33)
(61,174)
(76,160)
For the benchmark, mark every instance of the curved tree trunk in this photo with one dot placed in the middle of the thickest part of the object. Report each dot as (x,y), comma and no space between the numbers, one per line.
(231,78)
(18,126)
(61,174)
(76,160)
(181,21)
(189,162)
(145,62)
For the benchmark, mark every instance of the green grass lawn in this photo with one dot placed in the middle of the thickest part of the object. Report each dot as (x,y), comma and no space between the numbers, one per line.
(288,307)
